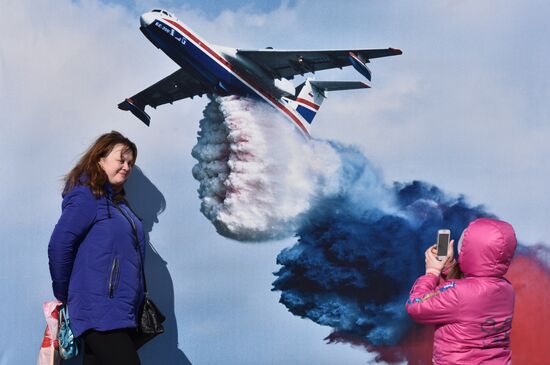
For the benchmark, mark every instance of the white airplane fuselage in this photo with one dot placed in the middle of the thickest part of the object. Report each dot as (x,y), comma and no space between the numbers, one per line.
(223,68)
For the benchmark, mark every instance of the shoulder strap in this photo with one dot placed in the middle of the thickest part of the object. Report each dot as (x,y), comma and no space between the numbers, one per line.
(136,242)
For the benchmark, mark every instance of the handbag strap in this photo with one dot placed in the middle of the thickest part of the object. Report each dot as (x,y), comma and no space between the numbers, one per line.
(63,314)
(136,242)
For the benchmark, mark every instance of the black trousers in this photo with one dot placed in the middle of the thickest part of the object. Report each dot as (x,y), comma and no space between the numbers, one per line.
(116,347)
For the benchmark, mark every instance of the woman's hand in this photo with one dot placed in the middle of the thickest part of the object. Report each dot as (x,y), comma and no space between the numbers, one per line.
(433,265)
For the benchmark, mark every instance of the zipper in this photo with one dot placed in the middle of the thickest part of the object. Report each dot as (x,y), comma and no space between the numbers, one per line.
(113,278)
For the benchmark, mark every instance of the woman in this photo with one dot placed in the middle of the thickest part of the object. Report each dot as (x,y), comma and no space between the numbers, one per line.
(473,314)
(96,253)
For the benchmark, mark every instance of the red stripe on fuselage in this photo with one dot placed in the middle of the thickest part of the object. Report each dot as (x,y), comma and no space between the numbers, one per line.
(224,62)
(308,103)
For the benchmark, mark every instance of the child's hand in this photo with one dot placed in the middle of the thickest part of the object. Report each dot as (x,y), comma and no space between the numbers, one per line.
(451,261)
(433,265)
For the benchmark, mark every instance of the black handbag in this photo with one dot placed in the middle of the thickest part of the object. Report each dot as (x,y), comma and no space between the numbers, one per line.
(150,318)
(149,323)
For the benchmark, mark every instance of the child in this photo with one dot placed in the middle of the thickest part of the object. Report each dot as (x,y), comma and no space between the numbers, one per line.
(472,315)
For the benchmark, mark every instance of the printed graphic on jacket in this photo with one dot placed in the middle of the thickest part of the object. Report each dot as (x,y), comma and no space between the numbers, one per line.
(432,294)
(496,335)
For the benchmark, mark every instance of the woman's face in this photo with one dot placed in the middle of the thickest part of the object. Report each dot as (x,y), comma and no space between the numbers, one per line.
(117,165)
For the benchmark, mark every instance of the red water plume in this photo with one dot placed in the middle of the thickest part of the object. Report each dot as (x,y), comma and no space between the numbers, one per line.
(531,324)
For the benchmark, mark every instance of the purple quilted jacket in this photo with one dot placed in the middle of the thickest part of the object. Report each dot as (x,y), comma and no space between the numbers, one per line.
(95,261)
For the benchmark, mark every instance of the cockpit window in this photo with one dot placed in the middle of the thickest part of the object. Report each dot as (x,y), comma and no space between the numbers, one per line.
(164,12)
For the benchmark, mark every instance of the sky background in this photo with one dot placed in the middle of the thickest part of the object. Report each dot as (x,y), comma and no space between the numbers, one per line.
(465,108)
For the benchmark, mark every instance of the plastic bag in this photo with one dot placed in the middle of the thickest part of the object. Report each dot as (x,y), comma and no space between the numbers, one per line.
(49,354)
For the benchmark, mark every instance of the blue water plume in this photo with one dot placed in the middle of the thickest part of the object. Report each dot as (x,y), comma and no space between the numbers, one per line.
(354,263)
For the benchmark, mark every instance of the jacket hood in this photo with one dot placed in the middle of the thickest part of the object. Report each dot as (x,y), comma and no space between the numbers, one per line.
(488,246)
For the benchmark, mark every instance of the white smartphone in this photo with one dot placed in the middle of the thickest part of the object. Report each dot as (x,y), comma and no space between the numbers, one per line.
(443,239)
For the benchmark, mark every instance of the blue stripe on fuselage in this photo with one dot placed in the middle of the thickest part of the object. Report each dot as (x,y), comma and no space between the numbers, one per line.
(306,113)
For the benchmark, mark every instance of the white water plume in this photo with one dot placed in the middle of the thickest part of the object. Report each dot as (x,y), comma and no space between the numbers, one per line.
(261,179)
(258,176)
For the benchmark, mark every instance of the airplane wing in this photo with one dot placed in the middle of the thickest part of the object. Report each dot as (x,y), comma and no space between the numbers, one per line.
(179,85)
(288,63)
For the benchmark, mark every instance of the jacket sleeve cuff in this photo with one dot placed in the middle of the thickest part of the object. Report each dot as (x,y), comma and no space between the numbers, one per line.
(433,272)
(60,291)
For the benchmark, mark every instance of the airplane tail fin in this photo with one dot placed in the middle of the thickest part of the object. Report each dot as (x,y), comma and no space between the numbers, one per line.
(310,95)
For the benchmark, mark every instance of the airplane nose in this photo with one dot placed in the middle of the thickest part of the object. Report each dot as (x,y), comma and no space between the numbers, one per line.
(146,19)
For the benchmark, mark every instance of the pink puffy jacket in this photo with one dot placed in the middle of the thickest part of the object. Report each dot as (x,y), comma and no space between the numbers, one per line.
(472,316)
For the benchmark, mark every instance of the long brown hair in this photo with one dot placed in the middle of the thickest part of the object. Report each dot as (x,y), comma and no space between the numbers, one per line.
(88,171)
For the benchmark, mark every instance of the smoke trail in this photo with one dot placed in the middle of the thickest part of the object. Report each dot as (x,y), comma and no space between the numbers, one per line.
(360,241)
(252,186)
(352,268)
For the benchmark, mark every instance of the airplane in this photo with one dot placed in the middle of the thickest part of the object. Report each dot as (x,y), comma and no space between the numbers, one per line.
(263,74)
